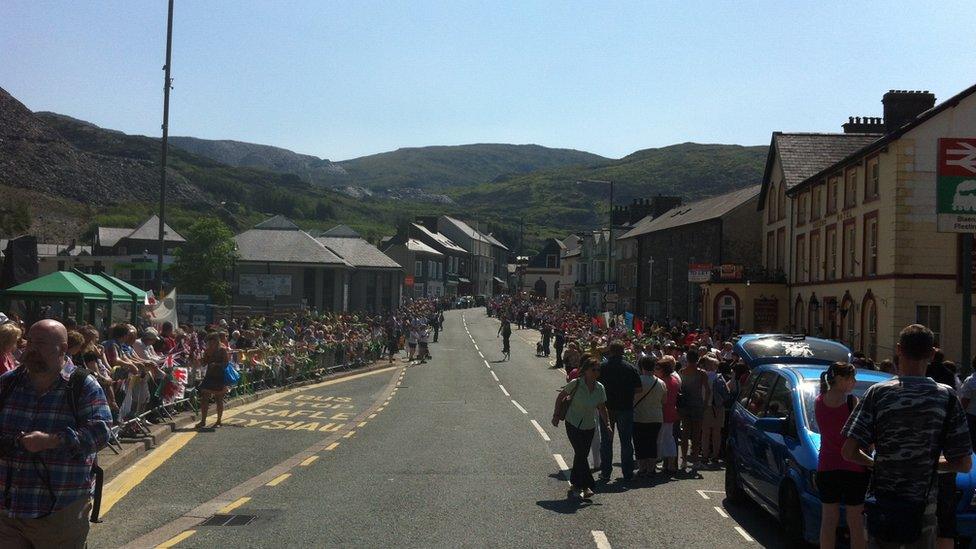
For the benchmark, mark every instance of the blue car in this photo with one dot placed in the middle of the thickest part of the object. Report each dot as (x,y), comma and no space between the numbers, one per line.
(773,439)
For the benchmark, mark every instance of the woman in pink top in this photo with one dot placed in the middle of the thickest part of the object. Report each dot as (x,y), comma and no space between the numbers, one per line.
(838,480)
(667,448)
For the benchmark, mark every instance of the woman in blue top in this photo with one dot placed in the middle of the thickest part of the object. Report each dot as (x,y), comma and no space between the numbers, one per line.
(587,397)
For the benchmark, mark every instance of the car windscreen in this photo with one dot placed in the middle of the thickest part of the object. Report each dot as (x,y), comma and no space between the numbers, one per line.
(795,348)
(808,394)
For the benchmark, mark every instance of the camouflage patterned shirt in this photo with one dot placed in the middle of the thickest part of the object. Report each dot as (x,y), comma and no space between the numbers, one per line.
(903,418)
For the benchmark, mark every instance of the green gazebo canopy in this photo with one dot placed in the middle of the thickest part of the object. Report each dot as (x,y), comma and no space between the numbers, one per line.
(61,284)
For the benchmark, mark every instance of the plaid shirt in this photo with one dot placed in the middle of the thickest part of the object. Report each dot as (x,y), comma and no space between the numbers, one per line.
(28,480)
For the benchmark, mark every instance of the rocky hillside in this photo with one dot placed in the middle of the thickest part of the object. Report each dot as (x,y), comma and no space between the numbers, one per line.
(249,155)
(37,157)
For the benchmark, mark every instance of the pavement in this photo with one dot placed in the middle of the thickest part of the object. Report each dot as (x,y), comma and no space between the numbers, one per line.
(457,452)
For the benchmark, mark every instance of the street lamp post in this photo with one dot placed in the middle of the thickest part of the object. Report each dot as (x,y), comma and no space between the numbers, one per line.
(162,164)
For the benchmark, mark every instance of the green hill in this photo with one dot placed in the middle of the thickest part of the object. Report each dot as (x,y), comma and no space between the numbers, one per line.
(446,167)
(553,199)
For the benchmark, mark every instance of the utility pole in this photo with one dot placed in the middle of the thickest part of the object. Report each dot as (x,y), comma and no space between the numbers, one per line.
(162,164)
(967,299)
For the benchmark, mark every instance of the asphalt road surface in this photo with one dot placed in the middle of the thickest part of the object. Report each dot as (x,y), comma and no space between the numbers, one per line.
(455,452)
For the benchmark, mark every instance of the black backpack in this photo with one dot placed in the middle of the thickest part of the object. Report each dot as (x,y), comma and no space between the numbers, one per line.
(73,394)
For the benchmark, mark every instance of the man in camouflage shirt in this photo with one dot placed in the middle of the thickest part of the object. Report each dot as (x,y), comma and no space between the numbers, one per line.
(903,418)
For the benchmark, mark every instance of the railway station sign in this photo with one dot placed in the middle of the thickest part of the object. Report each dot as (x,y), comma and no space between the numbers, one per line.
(956,185)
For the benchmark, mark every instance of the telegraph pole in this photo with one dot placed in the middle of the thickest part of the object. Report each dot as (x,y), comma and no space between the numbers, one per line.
(167,81)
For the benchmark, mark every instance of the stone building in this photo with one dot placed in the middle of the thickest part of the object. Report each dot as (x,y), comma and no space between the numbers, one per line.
(542,274)
(375,284)
(719,230)
(425,266)
(454,255)
(861,247)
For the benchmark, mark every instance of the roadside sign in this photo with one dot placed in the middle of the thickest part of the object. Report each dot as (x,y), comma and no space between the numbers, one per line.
(699,272)
(956,185)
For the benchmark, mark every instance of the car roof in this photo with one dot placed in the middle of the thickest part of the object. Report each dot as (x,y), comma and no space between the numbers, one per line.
(757,349)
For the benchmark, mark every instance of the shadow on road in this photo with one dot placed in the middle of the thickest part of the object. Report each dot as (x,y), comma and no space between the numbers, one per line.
(756,522)
(566,506)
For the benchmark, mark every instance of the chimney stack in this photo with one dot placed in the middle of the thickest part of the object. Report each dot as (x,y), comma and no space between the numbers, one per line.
(863,124)
(902,106)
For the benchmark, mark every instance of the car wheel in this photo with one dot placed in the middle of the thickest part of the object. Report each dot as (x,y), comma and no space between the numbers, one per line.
(791,517)
(733,489)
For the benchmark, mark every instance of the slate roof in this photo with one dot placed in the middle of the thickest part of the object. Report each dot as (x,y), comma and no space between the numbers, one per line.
(415,245)
(440,239)
(696,212)
(495,241)
(881,141)
(148,230)
(278,245)
(358,252)
(344,231)
(466,229)
(278,223)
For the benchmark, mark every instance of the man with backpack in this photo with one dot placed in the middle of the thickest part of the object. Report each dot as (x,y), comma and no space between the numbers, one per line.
(52,425)
(917,428)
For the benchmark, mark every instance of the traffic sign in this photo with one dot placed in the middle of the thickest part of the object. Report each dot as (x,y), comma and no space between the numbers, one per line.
(956,185)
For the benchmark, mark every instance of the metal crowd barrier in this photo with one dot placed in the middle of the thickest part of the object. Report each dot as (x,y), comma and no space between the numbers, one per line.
(275,373)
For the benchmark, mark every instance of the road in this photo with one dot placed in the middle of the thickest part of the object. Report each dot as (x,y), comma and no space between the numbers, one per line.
(455,452)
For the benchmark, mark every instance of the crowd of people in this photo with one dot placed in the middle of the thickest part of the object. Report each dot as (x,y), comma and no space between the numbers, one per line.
(665,390)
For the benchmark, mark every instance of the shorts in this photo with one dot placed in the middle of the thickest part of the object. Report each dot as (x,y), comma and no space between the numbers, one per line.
(839,486)
(945,509)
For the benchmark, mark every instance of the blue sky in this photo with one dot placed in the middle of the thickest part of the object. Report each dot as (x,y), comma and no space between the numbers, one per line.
(340,80)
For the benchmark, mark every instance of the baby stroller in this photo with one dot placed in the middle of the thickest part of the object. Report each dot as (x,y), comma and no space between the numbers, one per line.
(539,351)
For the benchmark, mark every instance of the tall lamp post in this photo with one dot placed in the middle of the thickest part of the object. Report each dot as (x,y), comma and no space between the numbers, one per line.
(162,164)
(609,273)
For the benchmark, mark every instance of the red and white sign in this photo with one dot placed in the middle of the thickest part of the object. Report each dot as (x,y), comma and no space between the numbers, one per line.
(957,156)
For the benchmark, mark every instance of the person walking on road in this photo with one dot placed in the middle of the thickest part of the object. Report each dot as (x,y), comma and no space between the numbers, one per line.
(838,480)
(911,421)
(648,417)
(621,381)
(505,330)
(713,419)
(587,402)
(52,426)
(695,392)
(667,448)
(215,358)
(558,343)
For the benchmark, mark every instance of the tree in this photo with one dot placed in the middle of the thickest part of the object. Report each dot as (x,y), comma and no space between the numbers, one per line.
(202,261)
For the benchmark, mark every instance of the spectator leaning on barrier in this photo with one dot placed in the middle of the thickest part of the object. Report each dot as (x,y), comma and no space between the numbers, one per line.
(48,447)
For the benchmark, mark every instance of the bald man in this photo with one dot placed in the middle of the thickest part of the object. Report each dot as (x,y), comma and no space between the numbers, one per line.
(45,428)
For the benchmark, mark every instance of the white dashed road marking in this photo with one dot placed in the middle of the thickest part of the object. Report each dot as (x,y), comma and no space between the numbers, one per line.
(502,387)
(563,467)
(494,376)
(519,406)
(743,533)
(486,363)
(539,428)
(704,493)
(600,539)
(721,512)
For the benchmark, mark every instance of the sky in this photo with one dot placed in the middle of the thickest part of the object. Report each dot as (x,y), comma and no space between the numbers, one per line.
(340,80)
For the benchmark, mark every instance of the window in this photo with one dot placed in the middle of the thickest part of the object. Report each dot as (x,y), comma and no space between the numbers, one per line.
(870,312)
(771,204)
(798,318)
(780,400)
(418,268)
(815,202)
(930,316)
(756,402)
(550,261)
(801,209)
(770,250)
(850,188)
(831,240)
(832,185)
(815,265)
(744,393)
(801,260)
(781,249)
(871,244)
(872,181)
(781,203)
(850,232)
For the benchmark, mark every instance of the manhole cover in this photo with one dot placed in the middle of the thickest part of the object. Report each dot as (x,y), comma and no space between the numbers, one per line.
(229,520)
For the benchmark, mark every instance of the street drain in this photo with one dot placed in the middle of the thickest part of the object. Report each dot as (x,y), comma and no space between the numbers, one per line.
(229,520)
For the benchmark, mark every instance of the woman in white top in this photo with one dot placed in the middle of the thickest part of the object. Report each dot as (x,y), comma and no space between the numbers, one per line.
(648,417)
